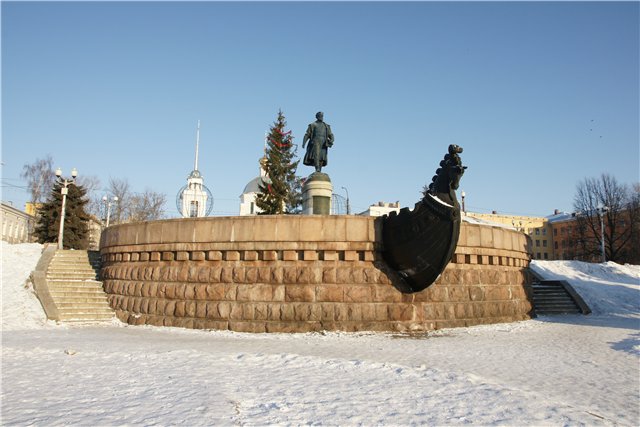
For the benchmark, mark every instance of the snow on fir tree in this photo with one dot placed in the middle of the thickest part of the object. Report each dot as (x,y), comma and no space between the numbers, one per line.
(280,189)
(76,230)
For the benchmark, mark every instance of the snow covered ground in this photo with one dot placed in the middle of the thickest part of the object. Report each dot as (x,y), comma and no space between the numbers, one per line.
(565,370)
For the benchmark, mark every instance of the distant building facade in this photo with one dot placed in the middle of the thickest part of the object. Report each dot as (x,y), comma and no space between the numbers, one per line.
(381,208)
(537,228)
(250,193)
(17,226)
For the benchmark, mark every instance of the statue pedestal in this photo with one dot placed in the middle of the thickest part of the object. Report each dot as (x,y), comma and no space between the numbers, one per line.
(316,194)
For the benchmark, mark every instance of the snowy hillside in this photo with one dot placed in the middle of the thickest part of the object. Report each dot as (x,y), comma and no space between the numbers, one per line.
(607,288)
(550,371)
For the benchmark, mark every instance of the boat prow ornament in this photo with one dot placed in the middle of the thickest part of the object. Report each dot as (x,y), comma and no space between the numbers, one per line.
(419,243)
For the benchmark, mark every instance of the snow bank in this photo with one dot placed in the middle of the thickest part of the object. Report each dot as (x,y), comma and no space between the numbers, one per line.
(607,288)
(21,308)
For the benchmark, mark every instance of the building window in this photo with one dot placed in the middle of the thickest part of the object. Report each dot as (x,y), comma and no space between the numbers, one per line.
(538,255)
(544,231)
(555,245)
(537,243)
(544,243)
(546,255)
(555,231)
(193,209)
(537,231)
(252,210)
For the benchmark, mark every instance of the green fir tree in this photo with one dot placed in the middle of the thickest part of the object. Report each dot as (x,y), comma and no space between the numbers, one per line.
(280,190)
(76,231)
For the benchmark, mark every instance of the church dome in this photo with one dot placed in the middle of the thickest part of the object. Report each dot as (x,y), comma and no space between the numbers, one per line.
(252,186)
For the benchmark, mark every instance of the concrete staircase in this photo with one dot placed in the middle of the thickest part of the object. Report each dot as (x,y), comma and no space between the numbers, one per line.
(78,296)
(552,297)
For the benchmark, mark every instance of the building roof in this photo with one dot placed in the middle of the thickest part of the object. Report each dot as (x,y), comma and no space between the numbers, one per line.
(252,186)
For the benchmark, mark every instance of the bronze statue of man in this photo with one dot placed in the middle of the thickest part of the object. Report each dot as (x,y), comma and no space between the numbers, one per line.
(320,139)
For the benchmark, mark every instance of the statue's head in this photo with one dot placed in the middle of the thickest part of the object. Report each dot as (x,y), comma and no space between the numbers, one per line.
(319,115)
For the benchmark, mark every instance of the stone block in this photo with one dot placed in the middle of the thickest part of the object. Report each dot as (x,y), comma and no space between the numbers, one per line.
(169,308)
(301,312)
(215,292)
(299,293)
(232,256)
(250,255)
(277,275)
(155,256)
(214,255)
(385,293)
(357,293)
(290,275)
(168,256)
(255,292)
(204,273)
(135,256)
(180,309)
(343,275)
(190,309)
(278,292)
(250,327)
(224,310)
(270,255)
(310,255)
(237,312)
(251,275)
(351,256)
(289,255)
(189,291)
(330,293)
(215,274)
(341,313)
(473,236)
(368,312)
(261,311)
(227,275)
(458,293)
(179,256)
(371,275)
(328,275)
(327,312)
(357,275)
(303,275)
(230,292)
(239,275)
(286,312)
(198,256)
(471,277)
(329,255)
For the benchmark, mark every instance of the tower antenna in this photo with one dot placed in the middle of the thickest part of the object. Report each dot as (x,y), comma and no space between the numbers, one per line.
(195,166)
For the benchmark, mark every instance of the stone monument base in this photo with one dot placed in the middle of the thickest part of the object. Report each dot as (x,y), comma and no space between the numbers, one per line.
(316,194)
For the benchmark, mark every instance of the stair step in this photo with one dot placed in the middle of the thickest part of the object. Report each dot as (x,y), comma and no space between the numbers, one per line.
(86,311)
(78,296)
(75,302)
(86,317)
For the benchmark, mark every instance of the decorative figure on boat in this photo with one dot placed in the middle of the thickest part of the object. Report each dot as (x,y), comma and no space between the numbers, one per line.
(419,244)
(320,139)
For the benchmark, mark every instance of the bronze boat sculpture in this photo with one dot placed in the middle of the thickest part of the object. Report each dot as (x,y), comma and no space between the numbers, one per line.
(419,243)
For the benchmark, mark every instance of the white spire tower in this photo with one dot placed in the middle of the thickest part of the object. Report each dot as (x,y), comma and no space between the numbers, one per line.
(192,200)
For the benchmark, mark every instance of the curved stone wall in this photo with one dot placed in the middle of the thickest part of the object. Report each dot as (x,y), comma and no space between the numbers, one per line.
(303,273)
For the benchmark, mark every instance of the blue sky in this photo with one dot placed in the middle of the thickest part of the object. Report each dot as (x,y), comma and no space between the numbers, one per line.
(540,95)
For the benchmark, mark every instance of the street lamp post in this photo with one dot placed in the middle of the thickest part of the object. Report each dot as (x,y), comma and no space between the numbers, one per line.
(348,206)
(462,194)
(64,189)
(108,202)
(602,211)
